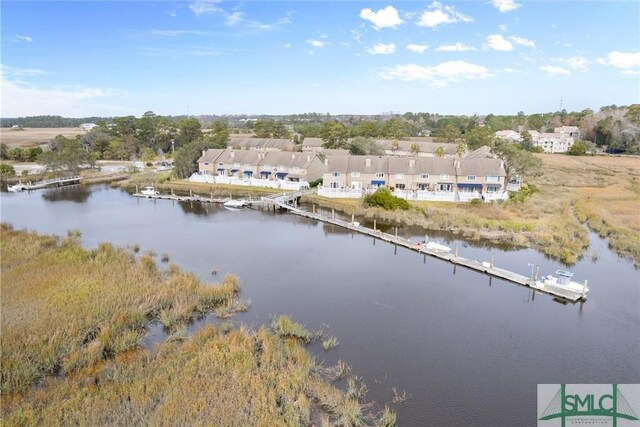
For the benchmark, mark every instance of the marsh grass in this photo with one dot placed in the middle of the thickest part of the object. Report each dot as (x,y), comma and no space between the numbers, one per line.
(330,343)
(574,195)
(84,313)
(66,308)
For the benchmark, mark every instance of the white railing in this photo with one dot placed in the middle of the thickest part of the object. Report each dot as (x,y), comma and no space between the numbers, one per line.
(467,196)
(251,182)
(490,197)
(514,186)
(342,193)
(425,195)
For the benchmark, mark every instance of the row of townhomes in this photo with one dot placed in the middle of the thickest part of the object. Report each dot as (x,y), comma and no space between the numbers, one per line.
(273,169)
(560,141)
(416,178)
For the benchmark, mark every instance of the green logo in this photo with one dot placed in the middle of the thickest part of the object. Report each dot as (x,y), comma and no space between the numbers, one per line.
(582,403)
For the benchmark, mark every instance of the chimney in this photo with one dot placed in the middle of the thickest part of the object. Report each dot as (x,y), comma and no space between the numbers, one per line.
(308,158)
(233,154)
(367,162)
(293,156)
(203,152)
(412,163)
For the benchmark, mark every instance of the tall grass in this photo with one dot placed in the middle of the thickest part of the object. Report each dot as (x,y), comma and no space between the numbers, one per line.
(84,313)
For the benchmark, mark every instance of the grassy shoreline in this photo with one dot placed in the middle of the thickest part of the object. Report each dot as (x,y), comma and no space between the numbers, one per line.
(73,320)
(575,195)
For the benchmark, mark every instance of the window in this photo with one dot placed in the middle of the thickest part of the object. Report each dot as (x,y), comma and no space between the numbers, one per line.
(220,164)
(399,186)
(423,187)
(444,187)
(379,174)
(471,177)
(424,176)
(444,176)
(493,179)
(335,185)
(335,174)
(206,163)
(355,174)
(399,176)
(280,167)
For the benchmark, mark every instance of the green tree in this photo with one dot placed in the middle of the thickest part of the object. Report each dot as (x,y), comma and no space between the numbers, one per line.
(3,151)
(185,161)
(461,148)
(517,161)
(363,146)
(440,152)
(147,155)
(66,155)
(478,137)
(116,150)
(394,128)
(449,134)
(189,130)
(527,141)
(334,134)
(7,170)
(366,129)
(633,114)
(415,148)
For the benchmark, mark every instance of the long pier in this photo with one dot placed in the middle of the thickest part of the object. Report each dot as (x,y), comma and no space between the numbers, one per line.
(55,182)
(284,200)
(482,267)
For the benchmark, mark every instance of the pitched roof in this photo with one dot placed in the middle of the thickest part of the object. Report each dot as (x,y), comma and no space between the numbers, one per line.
(481,167)
(287,159)
(211,155)
(261,143)
(479,153)
(312,142)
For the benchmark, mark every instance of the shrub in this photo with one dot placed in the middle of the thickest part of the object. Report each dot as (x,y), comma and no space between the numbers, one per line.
(384,199)
(525,191)
(7,171)
(285,327)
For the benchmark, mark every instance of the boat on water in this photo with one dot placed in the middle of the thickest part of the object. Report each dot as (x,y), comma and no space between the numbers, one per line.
(562,280)
(149,191)
(16,188)
(433,246)
(234,204)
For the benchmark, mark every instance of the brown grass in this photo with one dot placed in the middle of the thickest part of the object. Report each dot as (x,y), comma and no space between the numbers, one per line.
(576,193)
(30,137)
(84,312)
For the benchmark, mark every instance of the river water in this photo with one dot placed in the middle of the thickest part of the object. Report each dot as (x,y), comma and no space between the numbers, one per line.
(466,349)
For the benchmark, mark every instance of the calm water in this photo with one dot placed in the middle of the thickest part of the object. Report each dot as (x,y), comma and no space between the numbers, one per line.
(469,350)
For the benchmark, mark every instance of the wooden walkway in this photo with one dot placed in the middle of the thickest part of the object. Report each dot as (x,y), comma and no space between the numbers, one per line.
(481,267)
(55,182)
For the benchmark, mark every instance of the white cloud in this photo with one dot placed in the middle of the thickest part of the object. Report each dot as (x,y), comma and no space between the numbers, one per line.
(24,38)
(630,72)
(601,61)
(287,46)
(202,7)
(505,5)
(553,70)
(497,42)
(24,99)
(438,75)
(316,43)
(234,18)
(417,48)
(13,73)
(456,47)
(382,49)
(624,60)
(256,25)
(438,14)
(522,41)
(578,63)
(503,27)
(383,18)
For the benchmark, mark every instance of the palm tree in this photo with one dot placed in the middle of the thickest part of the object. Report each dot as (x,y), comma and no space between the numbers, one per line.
(440,151)
(415,148)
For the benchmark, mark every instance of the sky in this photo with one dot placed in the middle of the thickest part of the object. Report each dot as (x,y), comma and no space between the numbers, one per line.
(110,58)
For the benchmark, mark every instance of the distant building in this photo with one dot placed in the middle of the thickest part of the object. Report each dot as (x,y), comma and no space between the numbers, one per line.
(87,126)
(560,141)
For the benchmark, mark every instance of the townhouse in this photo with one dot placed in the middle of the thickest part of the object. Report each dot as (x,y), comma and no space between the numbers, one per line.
(415,178)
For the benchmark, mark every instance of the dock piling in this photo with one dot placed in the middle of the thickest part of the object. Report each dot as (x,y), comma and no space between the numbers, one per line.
(456,249)
(374,225)
(352,219)
(396,232)
(492,260)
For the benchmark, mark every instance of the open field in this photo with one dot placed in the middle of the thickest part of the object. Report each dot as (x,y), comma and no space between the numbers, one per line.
(72,326)
(30,137)
(575,193)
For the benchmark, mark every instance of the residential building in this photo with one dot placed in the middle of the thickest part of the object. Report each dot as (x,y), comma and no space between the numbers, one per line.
(261,144)
(557,142)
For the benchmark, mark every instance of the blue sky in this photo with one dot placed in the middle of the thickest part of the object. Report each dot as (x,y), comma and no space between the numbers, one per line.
(363,57)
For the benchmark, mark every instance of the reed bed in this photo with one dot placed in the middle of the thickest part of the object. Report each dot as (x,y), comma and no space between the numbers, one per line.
(72,322)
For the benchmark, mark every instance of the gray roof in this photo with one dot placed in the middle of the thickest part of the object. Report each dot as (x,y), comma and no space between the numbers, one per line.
(425,145)
(239,156)
(261,143)
(211,155)
(481,167)
(335,152)
(480,153)
(369,164)
(287,159)
(339,163)
(312,142)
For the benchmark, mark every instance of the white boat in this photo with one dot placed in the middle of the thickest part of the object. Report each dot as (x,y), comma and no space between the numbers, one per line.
(433,246)
(16,188)
(149,191)
(235,204)
(562,280)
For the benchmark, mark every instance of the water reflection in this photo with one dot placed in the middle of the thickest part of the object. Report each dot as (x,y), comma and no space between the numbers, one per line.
(74,193)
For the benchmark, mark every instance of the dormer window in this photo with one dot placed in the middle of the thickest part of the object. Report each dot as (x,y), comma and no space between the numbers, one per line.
(471,177)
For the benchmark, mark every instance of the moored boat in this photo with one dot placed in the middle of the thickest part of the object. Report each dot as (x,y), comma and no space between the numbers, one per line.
(235,204)
(562,280)
(149,191)
(16,188)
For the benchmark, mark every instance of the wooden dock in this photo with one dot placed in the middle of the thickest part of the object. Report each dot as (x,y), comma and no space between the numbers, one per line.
(55,182)
(284,200)
(487,268)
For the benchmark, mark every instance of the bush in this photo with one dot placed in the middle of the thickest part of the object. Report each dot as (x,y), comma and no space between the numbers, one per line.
(525,191)
(7,171)
(315,183)
(384,199)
